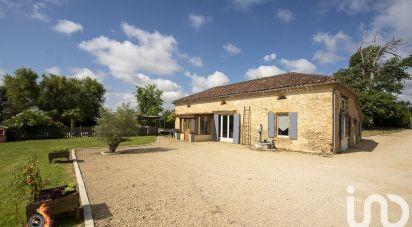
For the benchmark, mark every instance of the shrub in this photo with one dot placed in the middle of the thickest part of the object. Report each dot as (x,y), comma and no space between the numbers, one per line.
(33,124)
(114,127)
(25,184)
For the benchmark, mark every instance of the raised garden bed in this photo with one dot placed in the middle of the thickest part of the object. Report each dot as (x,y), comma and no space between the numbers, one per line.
(59,154)
(58,200)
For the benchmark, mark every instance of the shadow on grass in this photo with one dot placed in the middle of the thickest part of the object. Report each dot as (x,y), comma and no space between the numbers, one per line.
(67,161)
(100,211)
(144,150)
(366,145)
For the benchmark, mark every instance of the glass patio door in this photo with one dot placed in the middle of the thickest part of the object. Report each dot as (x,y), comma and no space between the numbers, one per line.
(226,128)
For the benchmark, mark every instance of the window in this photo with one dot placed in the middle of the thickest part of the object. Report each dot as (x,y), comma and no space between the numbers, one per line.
(343,104)
(203,125)
(283,124)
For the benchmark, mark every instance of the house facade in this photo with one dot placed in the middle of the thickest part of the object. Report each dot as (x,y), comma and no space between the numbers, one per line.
(301,112)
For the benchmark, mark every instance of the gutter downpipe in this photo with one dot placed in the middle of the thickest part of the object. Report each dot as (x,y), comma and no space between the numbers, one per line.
(334,120)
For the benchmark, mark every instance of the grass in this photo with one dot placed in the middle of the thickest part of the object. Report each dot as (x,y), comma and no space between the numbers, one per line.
(13,153)
(380,131)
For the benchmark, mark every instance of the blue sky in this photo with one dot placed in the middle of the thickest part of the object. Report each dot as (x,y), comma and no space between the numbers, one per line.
(190,46)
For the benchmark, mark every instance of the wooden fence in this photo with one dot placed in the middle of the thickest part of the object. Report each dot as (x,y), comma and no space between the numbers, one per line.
(79,132)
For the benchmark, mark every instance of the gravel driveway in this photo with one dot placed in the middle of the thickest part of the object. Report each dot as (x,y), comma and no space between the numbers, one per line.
(213,184)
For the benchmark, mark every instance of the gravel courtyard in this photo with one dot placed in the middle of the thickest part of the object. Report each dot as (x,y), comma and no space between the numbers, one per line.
(216,184)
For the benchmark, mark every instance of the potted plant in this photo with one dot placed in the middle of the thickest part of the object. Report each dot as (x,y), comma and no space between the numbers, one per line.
(59,153)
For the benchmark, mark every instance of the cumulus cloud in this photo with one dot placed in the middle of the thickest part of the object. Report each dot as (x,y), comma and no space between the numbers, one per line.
(115,99)
(299,65)
(201,83)
(82,73)
(153,53)
(196,61)
(269,57)
(197,21)
(332,44)
(246,4)
(53,70)
(263,71)
(231,49)
(67,27)
(394,21)
(285,15)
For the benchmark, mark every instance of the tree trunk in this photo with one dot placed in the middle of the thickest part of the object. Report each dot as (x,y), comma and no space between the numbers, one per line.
(72,125)
(112,147)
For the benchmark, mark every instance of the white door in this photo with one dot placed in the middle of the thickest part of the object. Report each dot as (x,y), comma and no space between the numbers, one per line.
(226,128)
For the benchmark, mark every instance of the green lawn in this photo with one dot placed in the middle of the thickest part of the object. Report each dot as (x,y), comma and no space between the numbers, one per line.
(11,153)
(380,131)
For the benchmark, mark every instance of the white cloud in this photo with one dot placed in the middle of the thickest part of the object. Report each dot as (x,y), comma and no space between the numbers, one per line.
(53,70)
(332,44)
(299,65)
(115,99)
(153,53)
(201,83)
(82,73)
(67,27)
(285,15)
(263,71)
(197,21)
(196,61)
(407,92)
(326,57)
(329,40)
(231,49)
(245,4)
(269,57)
(394,20)
(37,12)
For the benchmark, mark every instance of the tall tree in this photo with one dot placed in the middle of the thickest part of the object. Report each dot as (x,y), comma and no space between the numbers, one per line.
(22,91)
(71,100)
(377,73)
(149,100)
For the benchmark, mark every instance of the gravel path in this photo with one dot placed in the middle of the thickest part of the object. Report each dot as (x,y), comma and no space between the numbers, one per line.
(213,184)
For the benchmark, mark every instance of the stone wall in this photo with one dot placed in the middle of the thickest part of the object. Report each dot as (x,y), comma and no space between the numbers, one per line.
(352,110)
(314,115)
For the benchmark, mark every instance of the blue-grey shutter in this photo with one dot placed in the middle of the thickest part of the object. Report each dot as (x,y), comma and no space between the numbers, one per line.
(293,121)
(236,128)
(350,126)
(271,124)
(216,127)
(341,125)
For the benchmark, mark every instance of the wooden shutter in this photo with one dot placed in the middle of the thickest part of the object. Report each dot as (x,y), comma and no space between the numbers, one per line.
(350,126)
(236,128)
(216,127)
(271,124)
(293,121)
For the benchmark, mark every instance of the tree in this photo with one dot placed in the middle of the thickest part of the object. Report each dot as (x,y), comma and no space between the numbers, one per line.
(70,100)
(377,73)
(149,100)
(114,127)
(22,91)
(169,117)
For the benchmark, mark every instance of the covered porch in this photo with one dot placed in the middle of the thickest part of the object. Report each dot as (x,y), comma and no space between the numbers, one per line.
(222,126)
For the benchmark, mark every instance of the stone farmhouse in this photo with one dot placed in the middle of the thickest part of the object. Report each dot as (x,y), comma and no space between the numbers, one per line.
(300,112)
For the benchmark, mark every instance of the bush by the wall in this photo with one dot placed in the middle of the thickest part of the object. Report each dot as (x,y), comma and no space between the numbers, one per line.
(33,124)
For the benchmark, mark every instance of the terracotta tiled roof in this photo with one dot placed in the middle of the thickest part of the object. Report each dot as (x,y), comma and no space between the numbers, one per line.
(283,81)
